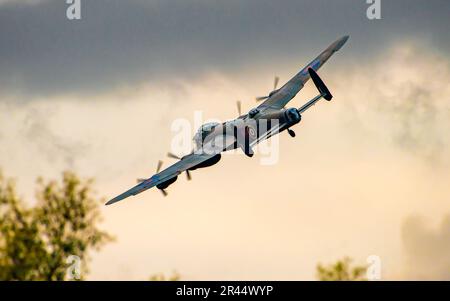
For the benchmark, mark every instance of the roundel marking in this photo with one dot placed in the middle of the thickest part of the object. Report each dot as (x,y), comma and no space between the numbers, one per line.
(252,132)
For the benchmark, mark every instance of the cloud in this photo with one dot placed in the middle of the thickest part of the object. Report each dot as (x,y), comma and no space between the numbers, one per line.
(390,99)
(36,129)
(427,250)
(99,96)
(119,43)
(403,94)
(22,2)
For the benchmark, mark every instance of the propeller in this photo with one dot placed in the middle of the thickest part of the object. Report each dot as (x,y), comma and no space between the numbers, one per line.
(238,104)
(275,85)
(275,82)
(261,98)
(173,156)
(158,168)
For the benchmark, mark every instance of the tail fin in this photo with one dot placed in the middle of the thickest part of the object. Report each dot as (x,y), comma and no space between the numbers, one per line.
(320,85)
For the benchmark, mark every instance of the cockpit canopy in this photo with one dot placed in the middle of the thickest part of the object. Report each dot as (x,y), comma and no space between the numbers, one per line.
(202,132)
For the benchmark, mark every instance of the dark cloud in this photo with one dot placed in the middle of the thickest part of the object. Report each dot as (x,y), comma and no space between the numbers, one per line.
(122,42)
(427,250)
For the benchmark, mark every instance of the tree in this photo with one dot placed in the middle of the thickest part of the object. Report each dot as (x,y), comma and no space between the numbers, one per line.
(36,242)
(341,271)
(161,277)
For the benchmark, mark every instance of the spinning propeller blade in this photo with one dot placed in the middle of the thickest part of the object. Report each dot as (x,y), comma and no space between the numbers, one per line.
(275,82)
(173,156)
(260,98)
(158,168)
(275,85)
(238,104)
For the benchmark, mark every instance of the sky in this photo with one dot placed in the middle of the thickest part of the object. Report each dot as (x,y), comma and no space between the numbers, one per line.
(367,174)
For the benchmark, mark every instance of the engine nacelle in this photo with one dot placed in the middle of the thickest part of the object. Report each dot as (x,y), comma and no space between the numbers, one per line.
(167,183)
(207,163)
(292,116)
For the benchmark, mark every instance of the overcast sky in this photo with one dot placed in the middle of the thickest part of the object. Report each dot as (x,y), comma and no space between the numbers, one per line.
(119,42)
(367,174)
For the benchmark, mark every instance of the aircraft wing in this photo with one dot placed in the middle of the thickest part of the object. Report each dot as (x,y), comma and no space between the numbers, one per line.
(172,171)
(279,99)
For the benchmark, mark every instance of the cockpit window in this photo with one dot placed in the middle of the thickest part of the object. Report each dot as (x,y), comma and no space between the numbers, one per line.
(203,131)
(207,127)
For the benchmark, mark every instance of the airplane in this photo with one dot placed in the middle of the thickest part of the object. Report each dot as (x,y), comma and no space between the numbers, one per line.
(260,123)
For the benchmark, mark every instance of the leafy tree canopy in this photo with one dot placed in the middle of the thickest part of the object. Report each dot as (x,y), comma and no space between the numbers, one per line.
(342,270)
(36,242)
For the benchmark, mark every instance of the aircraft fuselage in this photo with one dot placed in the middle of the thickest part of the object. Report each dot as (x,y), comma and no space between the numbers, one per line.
(248,130)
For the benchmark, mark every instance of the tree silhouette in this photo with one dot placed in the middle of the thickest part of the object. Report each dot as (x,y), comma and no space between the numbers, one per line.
(341,271)
(161,277)
(36,242)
